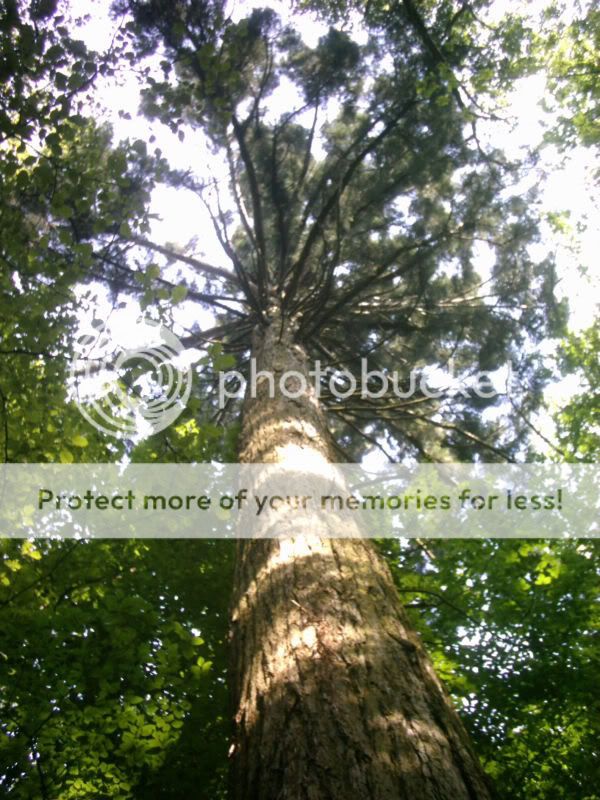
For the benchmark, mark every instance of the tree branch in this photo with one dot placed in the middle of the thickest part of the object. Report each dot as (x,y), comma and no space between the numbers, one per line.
(337,193)
(201,266)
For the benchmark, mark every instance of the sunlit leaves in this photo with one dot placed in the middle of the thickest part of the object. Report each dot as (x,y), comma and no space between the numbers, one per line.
(573,70)
(104,671)
(512,626)
(578,423)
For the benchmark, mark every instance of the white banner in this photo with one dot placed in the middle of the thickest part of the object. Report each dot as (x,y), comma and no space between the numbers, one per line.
(328,500)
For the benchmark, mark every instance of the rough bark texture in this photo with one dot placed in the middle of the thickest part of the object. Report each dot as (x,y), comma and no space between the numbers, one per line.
(335,698)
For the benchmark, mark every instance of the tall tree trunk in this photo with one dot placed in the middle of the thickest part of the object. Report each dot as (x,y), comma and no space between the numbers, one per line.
(335,698)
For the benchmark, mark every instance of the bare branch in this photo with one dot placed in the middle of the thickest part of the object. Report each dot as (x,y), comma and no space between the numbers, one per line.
(339,190)
(200,266)
(255,195)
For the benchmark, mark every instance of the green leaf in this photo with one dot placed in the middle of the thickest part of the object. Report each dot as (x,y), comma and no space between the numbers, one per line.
(179,294)
(153,271)
(29,550)
(66,456)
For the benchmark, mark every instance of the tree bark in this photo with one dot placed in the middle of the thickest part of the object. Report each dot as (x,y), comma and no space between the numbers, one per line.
(334,696)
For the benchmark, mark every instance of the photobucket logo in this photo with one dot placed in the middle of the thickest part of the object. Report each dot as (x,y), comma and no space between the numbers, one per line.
(133,391)
(341,384)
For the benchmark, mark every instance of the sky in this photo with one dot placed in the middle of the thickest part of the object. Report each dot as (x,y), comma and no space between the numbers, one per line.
(569,186)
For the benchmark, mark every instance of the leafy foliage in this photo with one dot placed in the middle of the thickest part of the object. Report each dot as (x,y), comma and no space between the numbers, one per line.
(578,429)
(571,49)
(512,627)
(113,674)
(113,680)
(62,184)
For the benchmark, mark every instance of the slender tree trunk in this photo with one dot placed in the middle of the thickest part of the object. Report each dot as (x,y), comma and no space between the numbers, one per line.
(335,698)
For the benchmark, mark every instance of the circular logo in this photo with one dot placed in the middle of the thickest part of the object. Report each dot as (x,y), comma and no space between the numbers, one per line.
(132,391)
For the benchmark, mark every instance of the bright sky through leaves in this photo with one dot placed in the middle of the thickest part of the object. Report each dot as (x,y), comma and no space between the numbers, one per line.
(569,185)
(570,198)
